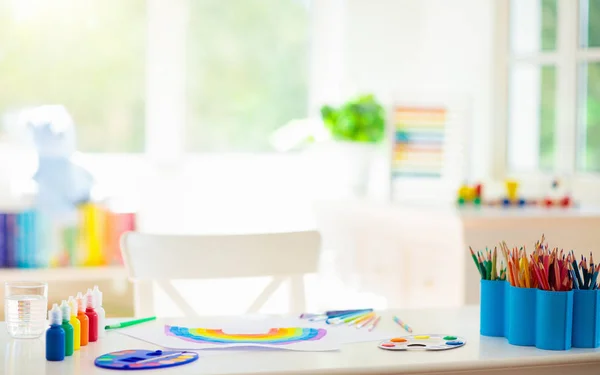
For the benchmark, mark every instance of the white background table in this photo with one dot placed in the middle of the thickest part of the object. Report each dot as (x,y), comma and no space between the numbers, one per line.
(481,355)
(416,256)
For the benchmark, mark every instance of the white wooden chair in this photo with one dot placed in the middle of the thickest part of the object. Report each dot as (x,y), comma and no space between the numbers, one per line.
(152,258)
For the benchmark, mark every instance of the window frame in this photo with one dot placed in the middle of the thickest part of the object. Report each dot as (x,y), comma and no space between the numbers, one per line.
(567,57)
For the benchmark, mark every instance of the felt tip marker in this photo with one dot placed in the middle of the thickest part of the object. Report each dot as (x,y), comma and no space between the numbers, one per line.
(130,323)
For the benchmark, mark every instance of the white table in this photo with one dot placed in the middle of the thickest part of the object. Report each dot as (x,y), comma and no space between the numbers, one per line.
(416,256)
(481,355)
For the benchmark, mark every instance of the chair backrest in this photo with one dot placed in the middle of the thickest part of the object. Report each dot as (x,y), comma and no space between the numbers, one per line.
(153,256)
(158,259)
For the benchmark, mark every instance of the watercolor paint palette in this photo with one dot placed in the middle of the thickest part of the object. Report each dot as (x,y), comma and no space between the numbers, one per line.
(144,359)
(423,342)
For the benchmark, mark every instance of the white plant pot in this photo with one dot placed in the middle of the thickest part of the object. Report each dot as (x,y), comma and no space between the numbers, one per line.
(341,168)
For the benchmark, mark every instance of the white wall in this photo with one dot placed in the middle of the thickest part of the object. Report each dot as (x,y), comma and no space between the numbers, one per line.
(399,48)
(389,47)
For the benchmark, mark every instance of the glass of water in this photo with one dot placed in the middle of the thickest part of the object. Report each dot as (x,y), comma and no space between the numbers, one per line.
(25,304)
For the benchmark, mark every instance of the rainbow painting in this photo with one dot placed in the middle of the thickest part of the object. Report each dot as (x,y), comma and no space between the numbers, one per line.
(274,336)
(284,333)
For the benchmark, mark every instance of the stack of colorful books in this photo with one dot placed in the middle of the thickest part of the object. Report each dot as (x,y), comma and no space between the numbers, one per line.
(28,239)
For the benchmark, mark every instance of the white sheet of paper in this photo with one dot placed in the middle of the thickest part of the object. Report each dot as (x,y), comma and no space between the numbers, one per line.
(335,337)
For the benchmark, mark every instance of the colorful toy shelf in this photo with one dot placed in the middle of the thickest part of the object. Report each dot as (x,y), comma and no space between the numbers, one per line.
(63,273)
(472,195)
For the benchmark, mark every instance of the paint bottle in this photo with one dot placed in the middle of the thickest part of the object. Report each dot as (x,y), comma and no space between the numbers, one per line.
(66,314)
(83,320)
(100,311)
(55,336)
(75,323)
(92,316)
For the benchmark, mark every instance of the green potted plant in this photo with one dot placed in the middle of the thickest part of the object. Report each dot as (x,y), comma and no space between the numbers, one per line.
(339,147)
(359,120)
(355,129)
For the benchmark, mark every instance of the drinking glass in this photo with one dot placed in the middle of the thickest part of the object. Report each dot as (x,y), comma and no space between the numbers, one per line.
(25,304)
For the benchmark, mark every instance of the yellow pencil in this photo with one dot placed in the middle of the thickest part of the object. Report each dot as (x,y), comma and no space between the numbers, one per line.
(362,319)
(366,322)
(527,274)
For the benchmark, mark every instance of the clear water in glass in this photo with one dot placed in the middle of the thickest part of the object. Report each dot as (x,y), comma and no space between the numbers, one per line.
(25,307)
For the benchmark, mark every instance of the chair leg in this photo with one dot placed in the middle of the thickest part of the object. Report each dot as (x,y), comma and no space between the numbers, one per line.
(297,294)
(143,298)
(265,294)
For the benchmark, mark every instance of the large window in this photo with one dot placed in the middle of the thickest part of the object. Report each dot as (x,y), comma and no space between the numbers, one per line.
(176,75)
(554,86)
(247,65)
(589,90)
(87,55)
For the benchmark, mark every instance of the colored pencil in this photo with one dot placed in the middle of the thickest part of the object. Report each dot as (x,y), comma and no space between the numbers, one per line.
(494,273)
(487,264)
(374,324)
(476,262)
(338,318)
(349,319)
(584,275)
(402,324)
(366,322)
(361,319)
(345,312)
(310,316)
(546,268)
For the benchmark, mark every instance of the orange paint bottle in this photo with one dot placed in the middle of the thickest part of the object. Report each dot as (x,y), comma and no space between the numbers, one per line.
(83,319)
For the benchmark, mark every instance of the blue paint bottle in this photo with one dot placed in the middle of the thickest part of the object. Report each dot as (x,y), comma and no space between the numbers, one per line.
(55,336)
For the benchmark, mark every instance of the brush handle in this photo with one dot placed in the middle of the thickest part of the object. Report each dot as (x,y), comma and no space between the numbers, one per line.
(161,357)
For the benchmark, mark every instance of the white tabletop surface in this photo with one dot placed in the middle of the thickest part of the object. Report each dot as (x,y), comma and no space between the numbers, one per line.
(481,355)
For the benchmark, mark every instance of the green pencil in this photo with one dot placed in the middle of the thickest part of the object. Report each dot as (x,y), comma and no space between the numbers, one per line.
(476,262)
(482,265)
(494,272)
(129,323)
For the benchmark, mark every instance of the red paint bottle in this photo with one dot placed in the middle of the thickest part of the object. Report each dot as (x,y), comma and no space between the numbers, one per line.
(92,316)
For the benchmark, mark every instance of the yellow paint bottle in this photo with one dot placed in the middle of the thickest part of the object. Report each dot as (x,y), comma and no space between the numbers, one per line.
(75,323)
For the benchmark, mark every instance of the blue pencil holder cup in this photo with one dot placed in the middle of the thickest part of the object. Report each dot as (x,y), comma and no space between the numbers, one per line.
(521,316)
(491,308)
(586,316)
(506,306)
(554,320)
